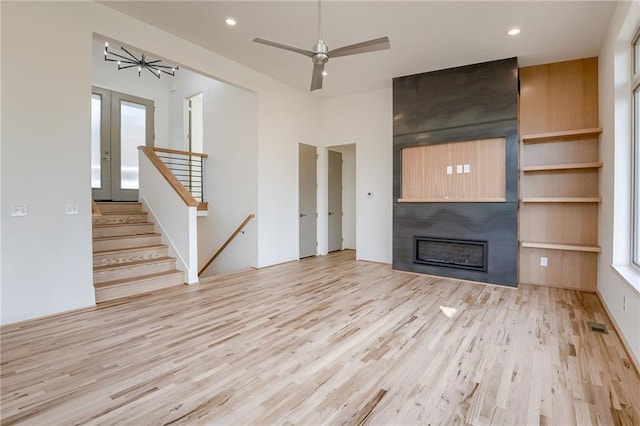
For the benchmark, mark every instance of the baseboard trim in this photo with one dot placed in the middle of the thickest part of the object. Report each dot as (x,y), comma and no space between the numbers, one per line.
(634,361)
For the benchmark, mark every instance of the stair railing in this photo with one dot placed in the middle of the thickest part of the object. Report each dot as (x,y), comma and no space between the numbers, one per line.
(184,170)
(226,243)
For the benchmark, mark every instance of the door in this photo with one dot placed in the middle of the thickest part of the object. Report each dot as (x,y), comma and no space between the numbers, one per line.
(308,200)
(335,201)
(119,124)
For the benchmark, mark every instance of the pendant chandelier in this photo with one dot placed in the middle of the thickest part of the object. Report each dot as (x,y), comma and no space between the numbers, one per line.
(155,67)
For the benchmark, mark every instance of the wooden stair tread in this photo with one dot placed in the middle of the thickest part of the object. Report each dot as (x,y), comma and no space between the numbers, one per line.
(134,263)
(115,225)
(130,249)
(138,279)
(126,236)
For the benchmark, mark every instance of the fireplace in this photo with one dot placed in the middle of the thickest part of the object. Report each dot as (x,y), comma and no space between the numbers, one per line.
(451,253)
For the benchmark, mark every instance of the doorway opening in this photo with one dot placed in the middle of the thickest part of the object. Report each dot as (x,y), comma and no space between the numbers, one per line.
(341,191)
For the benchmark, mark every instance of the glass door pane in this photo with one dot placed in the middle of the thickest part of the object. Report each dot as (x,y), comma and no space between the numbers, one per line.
(132,134)
(96,108)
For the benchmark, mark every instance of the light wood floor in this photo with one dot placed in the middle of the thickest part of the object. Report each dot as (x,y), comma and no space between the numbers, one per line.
(324,340)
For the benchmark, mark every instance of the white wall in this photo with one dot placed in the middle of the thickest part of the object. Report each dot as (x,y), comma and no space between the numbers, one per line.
(615,177)
(365,120)
(106,75)
(46,263)
(231,140)
(46,154)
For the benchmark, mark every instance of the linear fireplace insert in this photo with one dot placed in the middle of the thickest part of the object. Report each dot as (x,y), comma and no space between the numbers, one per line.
(451,253)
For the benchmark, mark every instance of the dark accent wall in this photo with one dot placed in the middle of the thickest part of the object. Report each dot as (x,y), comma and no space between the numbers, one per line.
(460,104)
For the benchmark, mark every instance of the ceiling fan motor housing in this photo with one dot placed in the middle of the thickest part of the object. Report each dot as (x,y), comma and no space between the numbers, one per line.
(321,57)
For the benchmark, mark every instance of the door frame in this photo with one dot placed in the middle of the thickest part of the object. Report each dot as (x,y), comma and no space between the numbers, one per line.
(110,145)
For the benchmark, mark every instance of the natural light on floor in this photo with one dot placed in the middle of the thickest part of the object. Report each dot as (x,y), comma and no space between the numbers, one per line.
(448,311)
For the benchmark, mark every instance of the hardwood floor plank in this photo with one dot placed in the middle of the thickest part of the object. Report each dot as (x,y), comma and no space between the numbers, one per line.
(315,342)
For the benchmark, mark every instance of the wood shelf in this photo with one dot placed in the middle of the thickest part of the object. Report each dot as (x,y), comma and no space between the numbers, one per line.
(568,166)
(537,137)
(452,200)
(562,200)
(558,246)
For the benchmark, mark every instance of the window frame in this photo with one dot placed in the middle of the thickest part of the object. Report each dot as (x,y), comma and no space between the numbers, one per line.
(635,151)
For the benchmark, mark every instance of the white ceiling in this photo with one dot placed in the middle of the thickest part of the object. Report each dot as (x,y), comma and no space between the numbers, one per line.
(425,35)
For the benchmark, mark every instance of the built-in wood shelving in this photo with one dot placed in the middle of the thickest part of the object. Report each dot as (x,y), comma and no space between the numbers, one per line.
(538,137)
(449,200)
(559,246)
(559,193)
(569,166)
(562,200)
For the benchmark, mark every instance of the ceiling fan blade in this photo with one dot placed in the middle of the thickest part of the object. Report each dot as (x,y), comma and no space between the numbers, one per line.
(316,78)
(285,47)
(381,43)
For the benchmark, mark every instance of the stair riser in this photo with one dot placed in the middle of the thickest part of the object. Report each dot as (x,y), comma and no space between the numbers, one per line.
(116,292)
(124,243)
(133,271)
(118,231)
(119,207)
(129,256)
(111,219)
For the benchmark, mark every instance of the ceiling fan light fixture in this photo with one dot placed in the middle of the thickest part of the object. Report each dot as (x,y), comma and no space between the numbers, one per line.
(320,53)
(513,31)
(230,22)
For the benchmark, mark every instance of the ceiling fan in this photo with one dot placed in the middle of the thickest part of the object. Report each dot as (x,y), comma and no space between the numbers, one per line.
(320,53)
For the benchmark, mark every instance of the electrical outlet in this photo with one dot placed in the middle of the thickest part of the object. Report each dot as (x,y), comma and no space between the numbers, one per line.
(467,168)
(458,168)
(18,209)
(449,170)
(544,261)
(624,303)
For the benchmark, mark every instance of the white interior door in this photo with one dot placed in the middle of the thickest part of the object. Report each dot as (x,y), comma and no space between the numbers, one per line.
(308,200)
(120,123)
(335,201)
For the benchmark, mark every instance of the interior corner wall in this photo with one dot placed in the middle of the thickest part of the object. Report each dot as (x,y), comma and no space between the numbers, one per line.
(365,120)
(615,176)
(46,263)
(46,150)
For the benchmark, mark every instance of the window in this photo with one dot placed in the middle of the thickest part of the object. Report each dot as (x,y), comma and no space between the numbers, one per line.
(635,185)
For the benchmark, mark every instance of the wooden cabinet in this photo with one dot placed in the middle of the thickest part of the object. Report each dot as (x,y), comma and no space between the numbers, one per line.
(559,167)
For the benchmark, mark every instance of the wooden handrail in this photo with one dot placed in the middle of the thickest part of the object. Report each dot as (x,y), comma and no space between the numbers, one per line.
(95,210)
(226,243)
(177,186)
(175,151)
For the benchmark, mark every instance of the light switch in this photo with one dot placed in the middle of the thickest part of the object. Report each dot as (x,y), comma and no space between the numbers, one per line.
(459,168)
(449,170)
(467,168)
(71,208)
(18,209)
(544,262)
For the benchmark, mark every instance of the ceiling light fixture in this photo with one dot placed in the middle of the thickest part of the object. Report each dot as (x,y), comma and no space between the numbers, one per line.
(513,31)
(324,73)
(155,67)
(230,22)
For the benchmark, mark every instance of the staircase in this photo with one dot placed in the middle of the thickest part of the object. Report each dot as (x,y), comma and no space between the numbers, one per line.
(128,257)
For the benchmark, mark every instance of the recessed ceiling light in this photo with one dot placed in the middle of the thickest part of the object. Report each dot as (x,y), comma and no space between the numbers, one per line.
(230,22)
(513,31)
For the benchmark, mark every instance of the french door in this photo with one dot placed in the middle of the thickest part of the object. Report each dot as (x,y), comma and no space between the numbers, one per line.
(119,124)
